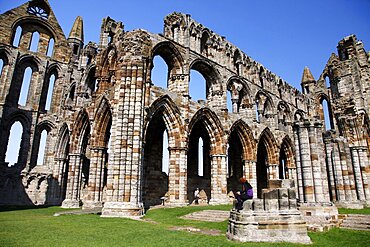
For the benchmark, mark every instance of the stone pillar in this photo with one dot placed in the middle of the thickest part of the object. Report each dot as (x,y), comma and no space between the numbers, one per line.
(330,166)
(249,171)
(72,199)
(299,183)
(126,161)
(357,173)
(363,154)
(273,171)
(95,188)
(218,179)
(177,178)
(306,169)
(315,165)
(338,172)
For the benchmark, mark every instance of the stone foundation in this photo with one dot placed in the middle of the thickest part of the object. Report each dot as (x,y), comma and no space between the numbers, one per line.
(319,216)
(274,218)
(121,209)
(68,203)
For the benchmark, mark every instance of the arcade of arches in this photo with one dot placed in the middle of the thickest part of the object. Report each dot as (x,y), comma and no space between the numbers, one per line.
(99,129)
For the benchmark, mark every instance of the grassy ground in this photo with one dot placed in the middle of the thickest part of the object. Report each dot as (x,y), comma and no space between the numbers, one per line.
(38,227)
(354,211)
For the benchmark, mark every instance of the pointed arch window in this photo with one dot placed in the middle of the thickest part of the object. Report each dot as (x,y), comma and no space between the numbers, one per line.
(1,66)
(27,77)
(197,86)
(50,50)
(35,41)
(17,37)
(165,153)
(326,112)
(42,148)
(50,92)
(160,72)
(14,144)
(200,157)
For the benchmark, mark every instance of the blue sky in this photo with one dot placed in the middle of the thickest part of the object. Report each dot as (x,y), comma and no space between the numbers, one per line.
(283,35)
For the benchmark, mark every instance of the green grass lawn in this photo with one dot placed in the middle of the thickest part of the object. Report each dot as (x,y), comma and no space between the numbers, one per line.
(354,211)
(38,227)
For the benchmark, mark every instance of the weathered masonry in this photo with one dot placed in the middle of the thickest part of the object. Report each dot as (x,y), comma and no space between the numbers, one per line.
(91,122)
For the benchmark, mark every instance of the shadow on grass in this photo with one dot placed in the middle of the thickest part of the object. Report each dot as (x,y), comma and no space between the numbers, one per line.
(25,207)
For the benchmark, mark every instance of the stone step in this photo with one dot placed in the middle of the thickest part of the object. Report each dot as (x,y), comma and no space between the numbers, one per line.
(208,215)
(355,222)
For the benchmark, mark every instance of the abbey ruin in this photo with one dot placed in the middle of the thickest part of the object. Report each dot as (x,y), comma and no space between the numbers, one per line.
(103,119)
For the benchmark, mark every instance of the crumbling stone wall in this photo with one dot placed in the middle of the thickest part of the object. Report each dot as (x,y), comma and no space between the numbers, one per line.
(107,118)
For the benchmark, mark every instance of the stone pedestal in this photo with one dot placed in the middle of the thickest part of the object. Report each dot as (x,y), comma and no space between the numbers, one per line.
(274,218)
(92,205)
(319,216)
(122,209)
(265,226)
(68,203)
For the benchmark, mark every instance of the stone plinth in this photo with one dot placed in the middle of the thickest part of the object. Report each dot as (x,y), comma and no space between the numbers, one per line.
(319,216)
(121,209)
(274,218)
(68,203)
(265,226)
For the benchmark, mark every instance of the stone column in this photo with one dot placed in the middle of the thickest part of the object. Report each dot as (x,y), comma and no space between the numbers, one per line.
(250,172)
(95,188)
(177,178)
(218,179)
(315,165)
(126,161)
(338,172)
(363,154)
(299,181)
(357,173)
(330,166)
(72,199)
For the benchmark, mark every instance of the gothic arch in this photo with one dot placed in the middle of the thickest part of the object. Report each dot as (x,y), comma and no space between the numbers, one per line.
(170,114)
(267,160)
(80,132)
(241,154)
(214,129)
(268,139)
(240,93)
(320,100)
(102,124)
(288,148)
(61,149)
(25,140)
(43,125)
(245,134)
(171,56)
(211,75)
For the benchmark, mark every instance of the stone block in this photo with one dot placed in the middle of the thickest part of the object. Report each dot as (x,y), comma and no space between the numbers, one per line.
(274,183)
(248,205)
(271,204)
(287,183)
(292,194)
(293,203)
(272,194)
(258,205)
(284,204)
(283,193)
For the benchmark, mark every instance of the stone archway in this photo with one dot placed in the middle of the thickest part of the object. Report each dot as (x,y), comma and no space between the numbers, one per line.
(267,161)
(241,155)
(163,115)
(206,126)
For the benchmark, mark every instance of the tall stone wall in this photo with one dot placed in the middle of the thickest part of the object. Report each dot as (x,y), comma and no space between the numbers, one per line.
(106,122)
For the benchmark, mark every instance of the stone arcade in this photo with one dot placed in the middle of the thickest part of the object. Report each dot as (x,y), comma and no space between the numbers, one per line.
(103,119)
